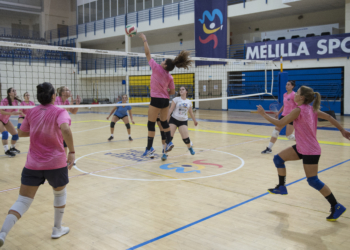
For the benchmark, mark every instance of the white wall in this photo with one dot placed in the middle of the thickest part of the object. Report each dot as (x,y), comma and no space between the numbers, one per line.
(246,31)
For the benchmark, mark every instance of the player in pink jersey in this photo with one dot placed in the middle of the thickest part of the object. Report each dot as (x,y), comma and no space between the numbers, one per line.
(288,106)
(307,147)
(63,99)
(26,102)
(6,125)
(162,86)
(46,125)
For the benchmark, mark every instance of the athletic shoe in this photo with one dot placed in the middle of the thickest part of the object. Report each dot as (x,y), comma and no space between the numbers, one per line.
(10,154)
(148,152)
(169,147)
(267,151)
(191,144)
(165,152)
(152,155)
(191,150)
(58,232)
(110,138)
(336,212)
(282,190)
(15,150)
(164,157)
(2,238)
(130,139)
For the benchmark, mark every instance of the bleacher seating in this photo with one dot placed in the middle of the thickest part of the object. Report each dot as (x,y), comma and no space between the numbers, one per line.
(310,35)
(281,38)
(325,33)
(295,37)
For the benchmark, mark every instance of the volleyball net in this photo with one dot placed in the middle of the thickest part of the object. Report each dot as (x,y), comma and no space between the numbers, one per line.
(102,76)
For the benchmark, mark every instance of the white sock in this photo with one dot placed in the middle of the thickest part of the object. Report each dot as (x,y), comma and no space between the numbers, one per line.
(6,147)
(9,222)
(129,136)
(58,217)
(270,145)
(112,135)
(13,145)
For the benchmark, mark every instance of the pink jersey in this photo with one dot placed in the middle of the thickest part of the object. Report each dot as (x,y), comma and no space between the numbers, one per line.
(4,102)
(59,101)
(305,131)
(25,111)
(161,80)
(288,103)
(46,151)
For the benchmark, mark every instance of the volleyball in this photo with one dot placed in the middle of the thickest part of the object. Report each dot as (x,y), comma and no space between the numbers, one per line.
(130,30)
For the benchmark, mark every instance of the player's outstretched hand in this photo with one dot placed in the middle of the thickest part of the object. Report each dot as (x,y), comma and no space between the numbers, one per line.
(346,134)
(108,117)
(70,160)
(143,37)
(132,121)
(195,123)
(261,110)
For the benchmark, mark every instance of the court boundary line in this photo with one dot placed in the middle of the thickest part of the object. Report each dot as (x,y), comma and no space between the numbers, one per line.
(222,211)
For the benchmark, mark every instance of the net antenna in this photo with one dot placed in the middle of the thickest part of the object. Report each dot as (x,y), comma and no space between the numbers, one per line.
(80,69)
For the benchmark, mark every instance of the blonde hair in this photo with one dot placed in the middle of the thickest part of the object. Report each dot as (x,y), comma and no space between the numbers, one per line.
(311,96)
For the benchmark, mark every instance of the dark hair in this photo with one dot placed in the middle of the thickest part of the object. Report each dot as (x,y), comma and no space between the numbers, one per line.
(292,83)
(45,92)
(178,94)
(25,94)
(311,96)
(9,98)
(181,61)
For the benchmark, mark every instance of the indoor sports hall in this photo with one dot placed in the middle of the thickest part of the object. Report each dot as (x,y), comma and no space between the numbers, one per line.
(262,76)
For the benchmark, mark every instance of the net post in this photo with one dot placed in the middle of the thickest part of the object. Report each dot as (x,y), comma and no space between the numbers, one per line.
(282,81)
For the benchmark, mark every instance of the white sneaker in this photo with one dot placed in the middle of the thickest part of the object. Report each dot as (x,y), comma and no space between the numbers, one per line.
(58,232)
(2,238)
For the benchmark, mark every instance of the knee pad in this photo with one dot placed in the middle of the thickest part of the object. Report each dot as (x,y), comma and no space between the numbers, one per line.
(315,182)
(15,137)
(151,126)
(291,137)
(22,204)
(112,124)
(275,133)
(127,125)
(162,133)
(5,135)
(19,125)
(60,198)
(279,162)
(164,124)
(187,140)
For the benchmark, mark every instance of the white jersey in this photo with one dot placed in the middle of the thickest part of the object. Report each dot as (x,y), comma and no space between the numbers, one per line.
(181,109)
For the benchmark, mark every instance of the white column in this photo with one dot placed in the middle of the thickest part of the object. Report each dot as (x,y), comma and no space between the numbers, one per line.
(127,49)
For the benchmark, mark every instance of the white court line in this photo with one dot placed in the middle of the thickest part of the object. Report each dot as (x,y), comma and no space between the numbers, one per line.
(90,129)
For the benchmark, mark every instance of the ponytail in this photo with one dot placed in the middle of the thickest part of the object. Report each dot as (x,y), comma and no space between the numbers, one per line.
(181,61)
(9,98)
(317,101)
(311,96)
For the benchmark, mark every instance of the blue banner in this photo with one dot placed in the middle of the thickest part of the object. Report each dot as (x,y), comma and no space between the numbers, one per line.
(210,29)
(301,48)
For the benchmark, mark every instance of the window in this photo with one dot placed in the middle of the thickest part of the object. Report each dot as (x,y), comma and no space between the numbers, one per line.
(80,14)
(131,6)
(99,10)
(139,5)
(86,13)
(93,11)
(106,9)
(167,1)
(114,8)
(157,3)
(148,4)
(121,7)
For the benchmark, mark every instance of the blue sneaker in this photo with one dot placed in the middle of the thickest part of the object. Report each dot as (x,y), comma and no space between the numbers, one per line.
(336,212)
(169,147)
(282,190)
(147,152)
(191,150)
(164,157)
(164,153)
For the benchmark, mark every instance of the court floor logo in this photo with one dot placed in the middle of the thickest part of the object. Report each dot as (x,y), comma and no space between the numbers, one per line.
(186,168)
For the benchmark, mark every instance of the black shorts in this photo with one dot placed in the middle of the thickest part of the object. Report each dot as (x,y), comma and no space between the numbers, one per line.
(64,144)
(159,102)
(177,122)
(121,116)
(307,159)
(158,119)
(56,177)
(291,123)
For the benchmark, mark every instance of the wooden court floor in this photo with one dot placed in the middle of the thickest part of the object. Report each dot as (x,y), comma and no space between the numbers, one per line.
(216,199)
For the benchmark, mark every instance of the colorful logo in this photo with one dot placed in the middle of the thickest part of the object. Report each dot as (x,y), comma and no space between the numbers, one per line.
(185,168)
(212,29)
